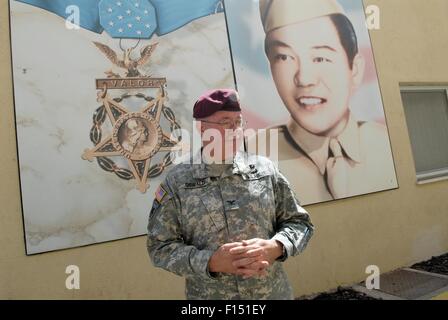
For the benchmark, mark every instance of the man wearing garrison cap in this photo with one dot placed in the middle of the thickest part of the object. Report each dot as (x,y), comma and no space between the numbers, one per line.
(227,223)
(324,151)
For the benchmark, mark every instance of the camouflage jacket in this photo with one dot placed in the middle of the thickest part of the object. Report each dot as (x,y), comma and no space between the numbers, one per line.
(196,211)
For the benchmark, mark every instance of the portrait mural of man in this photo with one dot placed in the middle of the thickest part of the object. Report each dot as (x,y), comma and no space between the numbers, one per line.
(304,68)
(317,67)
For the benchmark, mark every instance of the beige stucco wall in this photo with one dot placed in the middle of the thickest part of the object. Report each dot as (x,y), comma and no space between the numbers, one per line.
(389,229)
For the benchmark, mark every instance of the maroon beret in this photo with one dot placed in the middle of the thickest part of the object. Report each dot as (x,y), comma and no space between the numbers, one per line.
(216,100)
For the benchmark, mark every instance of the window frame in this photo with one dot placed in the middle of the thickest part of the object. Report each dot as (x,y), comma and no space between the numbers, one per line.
(435,174)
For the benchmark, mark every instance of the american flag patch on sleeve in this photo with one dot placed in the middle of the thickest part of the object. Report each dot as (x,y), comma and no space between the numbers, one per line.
(160,193)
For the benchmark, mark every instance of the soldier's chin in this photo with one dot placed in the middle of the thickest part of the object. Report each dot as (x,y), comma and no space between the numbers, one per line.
(231,137)
(230,140)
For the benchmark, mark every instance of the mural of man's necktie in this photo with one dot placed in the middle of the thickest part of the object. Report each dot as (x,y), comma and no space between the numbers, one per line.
(337,171)
(136,136)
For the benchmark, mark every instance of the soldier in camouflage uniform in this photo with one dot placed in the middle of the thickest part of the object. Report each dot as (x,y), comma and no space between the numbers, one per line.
(227,227)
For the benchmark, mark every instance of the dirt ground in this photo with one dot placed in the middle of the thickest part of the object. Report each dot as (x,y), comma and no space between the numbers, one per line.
(435,264)
(343,294)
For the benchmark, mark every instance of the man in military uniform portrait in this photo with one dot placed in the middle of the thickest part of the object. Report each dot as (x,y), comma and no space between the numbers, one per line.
(313,54)
(227,226)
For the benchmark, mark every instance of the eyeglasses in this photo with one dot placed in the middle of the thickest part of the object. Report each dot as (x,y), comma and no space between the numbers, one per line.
(229,123)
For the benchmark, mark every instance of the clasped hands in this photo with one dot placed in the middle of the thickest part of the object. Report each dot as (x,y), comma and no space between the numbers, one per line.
(248,258)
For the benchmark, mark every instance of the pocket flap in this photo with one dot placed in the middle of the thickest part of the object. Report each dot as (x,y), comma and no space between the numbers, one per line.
(211,198)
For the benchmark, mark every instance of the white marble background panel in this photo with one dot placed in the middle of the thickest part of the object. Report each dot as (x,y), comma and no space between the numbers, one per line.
(67,201)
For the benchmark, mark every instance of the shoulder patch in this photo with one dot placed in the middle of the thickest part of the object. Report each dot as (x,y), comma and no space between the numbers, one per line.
(160,193)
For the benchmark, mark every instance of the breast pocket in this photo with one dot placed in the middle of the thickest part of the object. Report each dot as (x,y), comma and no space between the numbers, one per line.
(203,216)
(259,186)
(261,201)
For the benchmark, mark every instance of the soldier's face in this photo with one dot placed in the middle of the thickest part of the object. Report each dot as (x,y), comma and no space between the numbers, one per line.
(219,133)
(312,73)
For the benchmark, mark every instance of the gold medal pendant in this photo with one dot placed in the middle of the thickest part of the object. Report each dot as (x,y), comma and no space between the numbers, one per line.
(136,135)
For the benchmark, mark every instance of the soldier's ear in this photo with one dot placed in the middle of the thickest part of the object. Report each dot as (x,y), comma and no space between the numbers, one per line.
(358,70)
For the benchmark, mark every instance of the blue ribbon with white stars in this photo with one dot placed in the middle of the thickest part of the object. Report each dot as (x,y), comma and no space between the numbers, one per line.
(132,18)
(128,19)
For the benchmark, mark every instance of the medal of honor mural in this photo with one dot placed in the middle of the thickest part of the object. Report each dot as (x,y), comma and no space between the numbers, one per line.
(313,62)
(99,100)
(137,136)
